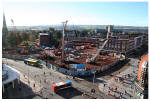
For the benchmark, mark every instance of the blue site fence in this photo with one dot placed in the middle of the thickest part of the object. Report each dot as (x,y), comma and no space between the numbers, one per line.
(63,70)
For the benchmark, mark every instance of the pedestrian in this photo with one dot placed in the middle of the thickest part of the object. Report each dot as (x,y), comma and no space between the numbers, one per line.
(104,85)
(116,89)
(125,92)
(34,85)
(120,96)
(130,96)
(108,92)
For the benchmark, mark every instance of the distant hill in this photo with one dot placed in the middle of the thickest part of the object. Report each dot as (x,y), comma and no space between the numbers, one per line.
(79,27)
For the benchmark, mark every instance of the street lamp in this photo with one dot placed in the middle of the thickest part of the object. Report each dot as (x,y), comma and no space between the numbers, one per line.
(94,77)
(93,90)
(28,76)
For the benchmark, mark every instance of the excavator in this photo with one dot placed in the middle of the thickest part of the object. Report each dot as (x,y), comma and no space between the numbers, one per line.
(93,58)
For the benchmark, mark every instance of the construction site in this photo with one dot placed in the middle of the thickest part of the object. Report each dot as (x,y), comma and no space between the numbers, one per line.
(82,53)
(77,59)
(93,53)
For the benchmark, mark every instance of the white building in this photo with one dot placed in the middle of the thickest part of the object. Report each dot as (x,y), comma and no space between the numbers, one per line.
(9,75)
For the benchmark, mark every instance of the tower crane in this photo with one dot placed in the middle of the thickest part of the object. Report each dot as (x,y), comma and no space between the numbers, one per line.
(61,42)
(63,35)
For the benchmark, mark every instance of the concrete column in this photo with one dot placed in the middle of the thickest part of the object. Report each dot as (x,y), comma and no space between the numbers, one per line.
(3,88)
(13,84)
(19,80)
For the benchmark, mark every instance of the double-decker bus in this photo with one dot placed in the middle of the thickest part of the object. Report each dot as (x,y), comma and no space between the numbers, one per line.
(61,85)
(32,62)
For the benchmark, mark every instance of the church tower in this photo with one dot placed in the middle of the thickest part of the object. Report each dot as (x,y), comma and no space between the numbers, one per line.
(4,31)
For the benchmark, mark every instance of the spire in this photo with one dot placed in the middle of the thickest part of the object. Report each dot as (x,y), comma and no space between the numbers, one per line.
(4,31)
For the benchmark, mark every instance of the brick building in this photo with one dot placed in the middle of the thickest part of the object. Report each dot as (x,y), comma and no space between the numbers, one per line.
(45,39)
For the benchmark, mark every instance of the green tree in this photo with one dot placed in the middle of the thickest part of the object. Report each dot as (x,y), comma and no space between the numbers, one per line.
(19,39)
(32,37)
(56,38)
(11,40)
(77,33)
(57,35)
(51,29)
(84,33)
(24,36)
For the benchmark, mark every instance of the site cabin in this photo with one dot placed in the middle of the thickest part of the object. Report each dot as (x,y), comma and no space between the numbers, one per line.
(32,62)
(61,85)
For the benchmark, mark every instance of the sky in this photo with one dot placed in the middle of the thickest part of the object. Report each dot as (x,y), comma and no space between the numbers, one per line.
(30,13)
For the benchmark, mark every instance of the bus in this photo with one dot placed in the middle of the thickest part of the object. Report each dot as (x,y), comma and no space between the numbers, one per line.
(61,85)
(32,62)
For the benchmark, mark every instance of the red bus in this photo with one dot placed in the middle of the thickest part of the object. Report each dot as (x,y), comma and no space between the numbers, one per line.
(61,85)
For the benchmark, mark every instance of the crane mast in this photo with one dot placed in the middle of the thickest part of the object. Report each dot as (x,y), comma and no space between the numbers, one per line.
(63,35)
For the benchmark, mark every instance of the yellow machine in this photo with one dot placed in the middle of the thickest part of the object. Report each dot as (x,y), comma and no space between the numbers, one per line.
(122,57)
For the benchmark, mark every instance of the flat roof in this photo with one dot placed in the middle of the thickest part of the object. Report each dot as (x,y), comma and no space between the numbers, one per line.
(13,74)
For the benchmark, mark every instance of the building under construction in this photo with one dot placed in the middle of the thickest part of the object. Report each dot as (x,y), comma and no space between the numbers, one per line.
(96,53)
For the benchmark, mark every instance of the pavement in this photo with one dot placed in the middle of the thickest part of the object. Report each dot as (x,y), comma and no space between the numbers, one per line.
(121,88)
(41,80)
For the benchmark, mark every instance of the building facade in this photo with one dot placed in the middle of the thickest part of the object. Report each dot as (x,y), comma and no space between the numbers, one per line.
(45,39)
(109,28)
(141,84)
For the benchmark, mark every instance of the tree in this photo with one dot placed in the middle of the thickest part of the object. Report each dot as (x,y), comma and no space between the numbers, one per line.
(84,33)
(32,37)
(24,36)
(57,35)
(19,39)
(51,29)
(77,33)
(56,38)
(11,40)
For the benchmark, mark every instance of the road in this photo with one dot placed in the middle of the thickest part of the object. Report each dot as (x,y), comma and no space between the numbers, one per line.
(123,86)
(44,78)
